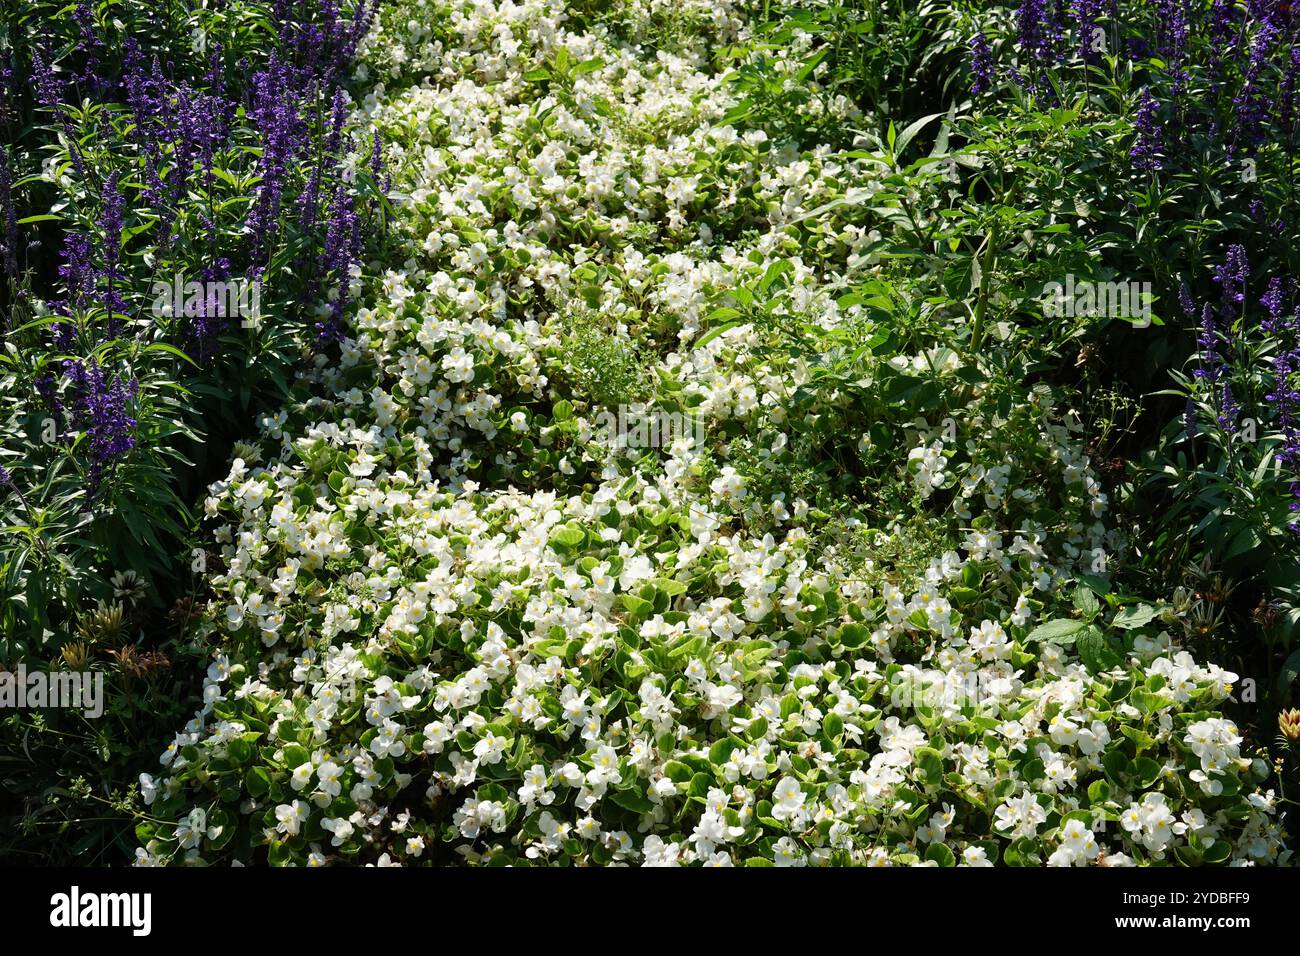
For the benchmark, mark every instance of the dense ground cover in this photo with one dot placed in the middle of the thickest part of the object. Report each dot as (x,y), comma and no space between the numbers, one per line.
(686,460)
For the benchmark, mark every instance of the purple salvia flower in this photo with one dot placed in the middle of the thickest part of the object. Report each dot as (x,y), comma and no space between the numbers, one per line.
(1286,89)
(338,116)
(275,112)
(88,44)
(1087,14)
(1228,409)
(204,328)
(61,335)
(1252,103)
(101,410)
(1138,49)
(49,94)
(111,228)
(1186,301)
(49,88)
(1272,300)
(1146,151)
(1171,27)
(981,65)
(1032,31)
(77,273)
(342,251)
(1285,398)
(7,94)
(1189,419)
(1038,34)
(45,388)
(1231,278)
(1209,364)
(383,180)
(1211,369)
(1222,36)
(8,218)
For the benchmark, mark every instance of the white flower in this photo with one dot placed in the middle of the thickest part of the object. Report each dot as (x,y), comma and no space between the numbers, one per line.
(341,828)
(290,817)
(975,856)
(458,365)
(787,853)
(148,789)
(729,485)
(788,798)
(490,747)
(193,827)
(1021,816)
(387,742)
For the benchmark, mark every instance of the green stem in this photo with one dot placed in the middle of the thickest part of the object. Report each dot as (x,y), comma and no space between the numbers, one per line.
(990,249)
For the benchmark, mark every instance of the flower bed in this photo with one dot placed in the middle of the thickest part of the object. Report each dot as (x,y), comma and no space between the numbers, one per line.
(860,608)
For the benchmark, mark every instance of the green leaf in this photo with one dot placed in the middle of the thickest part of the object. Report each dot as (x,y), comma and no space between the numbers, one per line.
(931,763)
(832,726)
(1217,852)
(632,800)
(567,538)
(241,751)
(1188,855)
(1133,617)
(700,785)
(854,635)
(1097,583)
(1146,701)
(636,606)
(1086,602)
(1116,765)
(258,781)
(1096,651)
(1060,631)
(1290,670)
(810,64)
(1023,852)
(1245,541)
(722,750)
(677,772)
(172,350)
(940,854)
(669,586)
(1140,737)
(907,135)
(1147,770)
(777,269)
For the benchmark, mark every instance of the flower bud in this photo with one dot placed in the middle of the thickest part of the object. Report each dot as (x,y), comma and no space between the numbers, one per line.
(1289,723)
